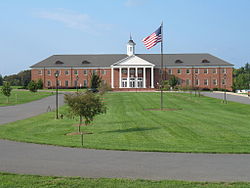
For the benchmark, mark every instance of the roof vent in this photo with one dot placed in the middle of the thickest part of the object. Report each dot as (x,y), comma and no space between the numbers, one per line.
(178,61)
(58,62)
(85,62)
(205,61)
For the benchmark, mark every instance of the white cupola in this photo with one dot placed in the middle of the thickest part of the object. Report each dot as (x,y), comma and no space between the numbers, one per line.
(130,47)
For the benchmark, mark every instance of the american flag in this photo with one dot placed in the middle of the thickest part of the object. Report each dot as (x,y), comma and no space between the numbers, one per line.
(153,39)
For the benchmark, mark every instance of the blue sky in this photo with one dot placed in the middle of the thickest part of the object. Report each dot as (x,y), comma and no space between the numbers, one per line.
(33,30)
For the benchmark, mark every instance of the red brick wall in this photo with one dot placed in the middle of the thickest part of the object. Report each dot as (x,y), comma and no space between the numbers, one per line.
(107,77)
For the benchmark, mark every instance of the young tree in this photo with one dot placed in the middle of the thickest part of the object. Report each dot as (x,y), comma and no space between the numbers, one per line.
(6,90)
(85,105)
(40,84)
(32,86)
(95,81)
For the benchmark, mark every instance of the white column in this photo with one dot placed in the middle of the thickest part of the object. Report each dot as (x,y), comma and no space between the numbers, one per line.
(144,77)
(128,78)
(112,77)
(152,77)
(120,77)
(136,78)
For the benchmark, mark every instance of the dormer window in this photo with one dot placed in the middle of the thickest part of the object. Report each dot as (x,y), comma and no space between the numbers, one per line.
(178,61)
(205,61)
(58,62)
(85,62)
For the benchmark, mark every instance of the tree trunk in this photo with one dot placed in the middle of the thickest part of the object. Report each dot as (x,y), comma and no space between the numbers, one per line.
(79,127)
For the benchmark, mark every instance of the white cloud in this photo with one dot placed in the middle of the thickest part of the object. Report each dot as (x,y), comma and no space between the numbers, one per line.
(74,20)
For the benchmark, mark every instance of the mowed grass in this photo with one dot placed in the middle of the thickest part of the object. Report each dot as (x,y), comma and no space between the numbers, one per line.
(202,125)
(27,181)
(19,97)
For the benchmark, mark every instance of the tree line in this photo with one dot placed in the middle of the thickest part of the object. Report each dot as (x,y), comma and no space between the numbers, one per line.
(241,77)
(23,78)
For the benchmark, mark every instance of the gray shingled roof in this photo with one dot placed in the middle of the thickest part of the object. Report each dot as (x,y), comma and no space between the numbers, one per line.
(109,59)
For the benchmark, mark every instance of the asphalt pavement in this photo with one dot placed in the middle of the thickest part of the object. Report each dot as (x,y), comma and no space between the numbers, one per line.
(22,111)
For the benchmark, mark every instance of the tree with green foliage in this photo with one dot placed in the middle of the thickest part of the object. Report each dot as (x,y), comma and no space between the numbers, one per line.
(95,81)
(241,77)
(32,86)
(40,84)
(85,105)
(6,90)
(173,81)
(1,80)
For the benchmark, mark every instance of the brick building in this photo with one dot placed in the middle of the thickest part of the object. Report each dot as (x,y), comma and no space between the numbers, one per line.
(130,71)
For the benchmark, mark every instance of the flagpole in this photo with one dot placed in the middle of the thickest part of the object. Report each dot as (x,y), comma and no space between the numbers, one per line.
(161,85)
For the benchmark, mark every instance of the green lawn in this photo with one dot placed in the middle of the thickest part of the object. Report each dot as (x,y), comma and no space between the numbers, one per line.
(19,97)
(203,125)
(27,181)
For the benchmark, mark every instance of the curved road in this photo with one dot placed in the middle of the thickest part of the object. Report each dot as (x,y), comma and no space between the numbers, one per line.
(29,158)
(23,111)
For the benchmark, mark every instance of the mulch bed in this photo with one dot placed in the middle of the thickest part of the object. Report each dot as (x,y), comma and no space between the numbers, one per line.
(77,133)
(164,109)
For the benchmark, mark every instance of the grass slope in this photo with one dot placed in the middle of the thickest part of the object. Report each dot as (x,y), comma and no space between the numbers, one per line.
(19,97)
(203,125)
(11,181)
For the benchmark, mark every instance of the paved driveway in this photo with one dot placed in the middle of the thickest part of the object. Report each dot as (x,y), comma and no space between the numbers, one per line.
(23,111)
(234,98)
(28,158)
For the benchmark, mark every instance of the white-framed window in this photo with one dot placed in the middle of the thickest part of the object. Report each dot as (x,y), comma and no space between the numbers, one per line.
(196,82)
(179,71)
(66,83)
(187,82)
(205,82)
(223,81)
(94,71)
(49,72)
(76,72)
(214,71)
(223,71)
(66,72)
(40,72)
(205,71)
(170,71)
(48,83)
(85,83)
(188,71)
(58,83)
(75,83)
(215,82)
(85,72)
(196,71)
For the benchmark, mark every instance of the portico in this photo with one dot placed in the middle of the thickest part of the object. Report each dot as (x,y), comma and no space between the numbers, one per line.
(132,73)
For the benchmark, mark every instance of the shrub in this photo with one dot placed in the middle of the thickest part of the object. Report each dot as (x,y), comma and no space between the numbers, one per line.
(32,86)
(40,84)
(205,89)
